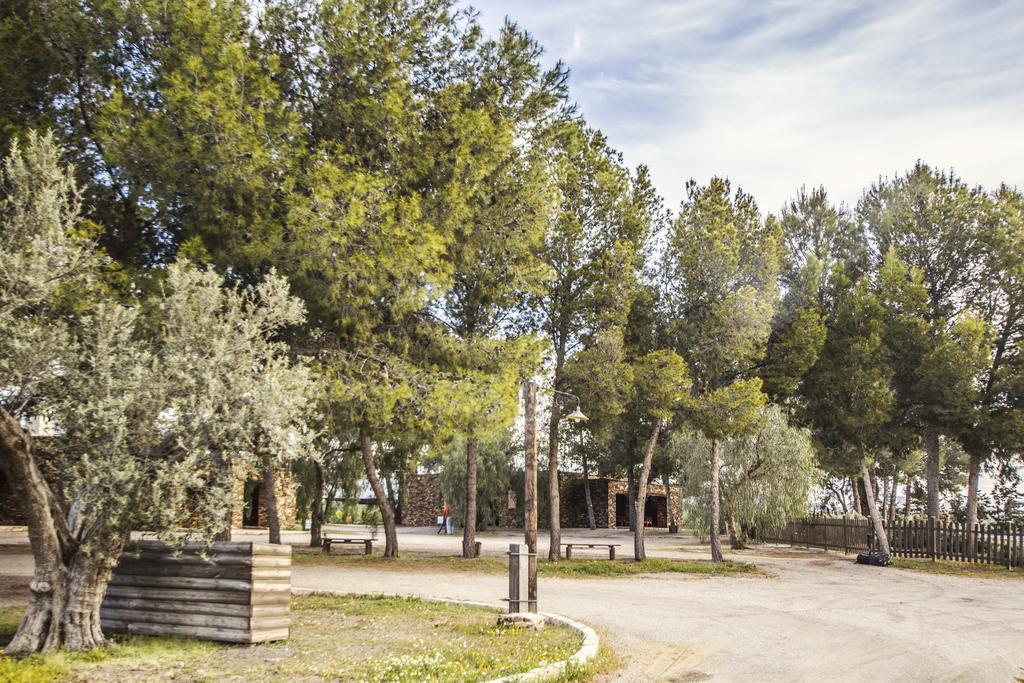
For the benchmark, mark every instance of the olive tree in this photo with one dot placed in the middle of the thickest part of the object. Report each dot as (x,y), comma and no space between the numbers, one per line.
(158,401)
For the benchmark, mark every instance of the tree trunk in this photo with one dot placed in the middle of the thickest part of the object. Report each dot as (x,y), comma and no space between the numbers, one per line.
(735,537)
(530,466)
(591,521)
(885,496)
(387,513)
(67,584)
(403,492)
(316,507)
(554,500)
(906,503)
(631,496)
(668,501)
(892,497)
(862,489)
(855,490)
(270,500)
(639,552)
(931,447)
(469,527)
(973,474)
(714,509)
(876,518)
(389,486)
(224,535)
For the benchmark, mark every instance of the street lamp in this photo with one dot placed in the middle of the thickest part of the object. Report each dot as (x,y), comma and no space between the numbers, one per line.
(530,484)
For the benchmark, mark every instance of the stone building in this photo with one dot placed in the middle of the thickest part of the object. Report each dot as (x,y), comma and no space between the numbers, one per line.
(248,490)
(609,498)
(252,511)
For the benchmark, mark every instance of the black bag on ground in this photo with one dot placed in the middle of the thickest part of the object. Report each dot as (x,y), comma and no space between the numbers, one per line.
(875,559)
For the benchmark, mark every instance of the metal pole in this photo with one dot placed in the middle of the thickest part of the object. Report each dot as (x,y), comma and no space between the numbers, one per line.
(530,493)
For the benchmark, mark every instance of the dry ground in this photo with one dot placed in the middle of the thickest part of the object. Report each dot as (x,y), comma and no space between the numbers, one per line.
(817,617)
(332,638)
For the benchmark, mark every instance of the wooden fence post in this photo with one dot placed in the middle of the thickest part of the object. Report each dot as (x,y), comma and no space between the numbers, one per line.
(931,537)
(513,578)
(846,543)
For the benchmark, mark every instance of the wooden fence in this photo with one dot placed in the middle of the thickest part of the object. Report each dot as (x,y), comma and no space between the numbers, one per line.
(983,543)
(234,592)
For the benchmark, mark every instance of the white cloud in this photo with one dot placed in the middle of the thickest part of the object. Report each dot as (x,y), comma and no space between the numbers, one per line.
(779,94)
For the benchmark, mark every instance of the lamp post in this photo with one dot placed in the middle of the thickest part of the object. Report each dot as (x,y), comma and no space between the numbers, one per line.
(530,484)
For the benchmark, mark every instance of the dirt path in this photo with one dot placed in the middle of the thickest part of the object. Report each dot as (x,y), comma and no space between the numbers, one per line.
(819,618)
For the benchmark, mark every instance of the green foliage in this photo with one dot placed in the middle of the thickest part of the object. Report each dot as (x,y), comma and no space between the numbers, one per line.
(722,263)
(849,394)
(158,400)
(661,384)
(495,476)
(766,479)
(602,373)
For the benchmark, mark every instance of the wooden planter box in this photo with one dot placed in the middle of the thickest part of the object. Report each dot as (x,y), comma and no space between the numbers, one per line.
(237,592)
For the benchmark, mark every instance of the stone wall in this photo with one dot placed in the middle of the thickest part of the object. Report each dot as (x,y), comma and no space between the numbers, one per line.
(573,501)
(284,488)
(423,502)
(655,491)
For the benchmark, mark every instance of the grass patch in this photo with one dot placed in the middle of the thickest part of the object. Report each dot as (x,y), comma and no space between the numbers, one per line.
(576,569)
(605,663)
(332,638)
(599,568)
(951,568)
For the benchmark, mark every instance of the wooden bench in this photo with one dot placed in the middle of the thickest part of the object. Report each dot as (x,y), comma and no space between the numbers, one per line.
(367,543)
(611,548)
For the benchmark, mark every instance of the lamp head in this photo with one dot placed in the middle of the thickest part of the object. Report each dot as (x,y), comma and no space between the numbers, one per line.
(576,415)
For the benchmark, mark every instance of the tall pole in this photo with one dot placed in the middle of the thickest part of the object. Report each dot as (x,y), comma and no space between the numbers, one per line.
(530,494)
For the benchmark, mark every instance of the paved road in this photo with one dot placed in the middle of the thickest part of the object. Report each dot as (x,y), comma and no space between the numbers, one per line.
(819,618)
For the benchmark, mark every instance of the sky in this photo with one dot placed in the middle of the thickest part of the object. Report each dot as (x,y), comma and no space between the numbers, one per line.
(777,94)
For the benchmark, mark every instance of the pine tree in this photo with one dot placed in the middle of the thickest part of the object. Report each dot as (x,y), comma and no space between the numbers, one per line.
(721,292)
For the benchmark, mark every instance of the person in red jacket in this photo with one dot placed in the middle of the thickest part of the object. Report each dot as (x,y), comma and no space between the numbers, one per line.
(443,526)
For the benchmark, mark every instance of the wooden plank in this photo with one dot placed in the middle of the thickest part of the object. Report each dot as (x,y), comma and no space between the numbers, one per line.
(213,559)
(271,598)
(179,618)
(155,567)
(225,547)
(181,582)
(144,628)
(209,608)
(269,623)
(271,574)
(271,549)
(265,636)
(182,594)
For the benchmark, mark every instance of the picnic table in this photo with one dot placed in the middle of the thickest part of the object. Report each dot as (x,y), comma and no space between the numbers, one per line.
(611,548)
(329,540)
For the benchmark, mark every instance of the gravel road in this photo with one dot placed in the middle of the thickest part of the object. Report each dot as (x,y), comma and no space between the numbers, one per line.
(819,617)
